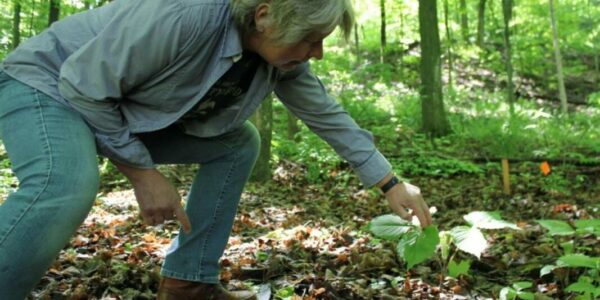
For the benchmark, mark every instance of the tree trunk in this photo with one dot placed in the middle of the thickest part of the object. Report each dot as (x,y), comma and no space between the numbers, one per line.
(507,8)
(31,17)
(558,58)
(383,33)
(400,34)
(481,23)
(597,61)
(16,30)
(434,118)
(263,120)
(464,20)
(293,127)
(54,10)
(356,44)
(448,48)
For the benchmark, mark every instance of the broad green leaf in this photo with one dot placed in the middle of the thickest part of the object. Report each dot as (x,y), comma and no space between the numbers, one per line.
(521,285)
(416,247)
(588,226)
(581,287)
(557,227)
(389,227)
(462,268)
(488,220)
(579,260)
(525,295)
(547,269)
(507,294)
(469,239)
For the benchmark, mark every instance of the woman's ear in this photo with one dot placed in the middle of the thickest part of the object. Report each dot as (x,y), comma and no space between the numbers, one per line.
(261,17)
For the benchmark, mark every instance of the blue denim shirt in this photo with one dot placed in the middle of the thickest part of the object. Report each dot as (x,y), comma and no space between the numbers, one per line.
(136,66)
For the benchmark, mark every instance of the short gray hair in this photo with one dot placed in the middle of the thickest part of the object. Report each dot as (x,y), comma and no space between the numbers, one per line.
(295,19)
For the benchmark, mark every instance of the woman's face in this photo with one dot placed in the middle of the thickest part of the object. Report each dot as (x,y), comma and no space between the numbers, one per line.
(288,57)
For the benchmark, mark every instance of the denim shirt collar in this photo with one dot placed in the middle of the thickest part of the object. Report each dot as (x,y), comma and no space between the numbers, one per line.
(232,43)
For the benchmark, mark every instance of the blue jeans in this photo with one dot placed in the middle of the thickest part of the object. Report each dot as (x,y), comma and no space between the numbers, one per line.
(53,154)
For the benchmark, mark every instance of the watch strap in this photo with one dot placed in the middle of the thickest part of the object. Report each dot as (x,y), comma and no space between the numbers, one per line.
(390,184)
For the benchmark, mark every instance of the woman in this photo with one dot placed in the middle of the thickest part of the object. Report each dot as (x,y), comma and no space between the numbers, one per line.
(147,82)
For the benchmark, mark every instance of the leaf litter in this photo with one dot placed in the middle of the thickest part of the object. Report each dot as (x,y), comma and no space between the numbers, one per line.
(293,239)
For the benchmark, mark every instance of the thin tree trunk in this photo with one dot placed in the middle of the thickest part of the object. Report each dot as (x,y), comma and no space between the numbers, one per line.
(558,58)
(263,120)
(356,44)
(492,16)
(401,56)
(597,60)
(383,32)
(434,118)
(54,11)
(31,16)
(507,7)
(481,23)
(16,30)
(448,49)
(293,128)
(464,20)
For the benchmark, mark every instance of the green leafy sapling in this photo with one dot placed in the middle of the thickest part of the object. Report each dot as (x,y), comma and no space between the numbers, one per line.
(416,246)
(517,291)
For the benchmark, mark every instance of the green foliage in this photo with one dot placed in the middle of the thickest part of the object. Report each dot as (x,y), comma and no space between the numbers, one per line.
(469,239)
(285,293)
(516,291)
(488,220)
(585,286)
(417,246)
(578,260)
(457,269)
(588,283)
(389,227)
(558,227)
(414,245)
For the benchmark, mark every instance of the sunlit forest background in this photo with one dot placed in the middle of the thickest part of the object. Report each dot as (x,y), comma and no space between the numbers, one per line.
(491,107)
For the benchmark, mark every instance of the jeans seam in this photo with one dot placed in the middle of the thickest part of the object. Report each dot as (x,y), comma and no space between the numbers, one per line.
(217,209)
(49,164)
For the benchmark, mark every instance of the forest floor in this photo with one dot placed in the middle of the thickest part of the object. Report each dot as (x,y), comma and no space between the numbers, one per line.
(298,240)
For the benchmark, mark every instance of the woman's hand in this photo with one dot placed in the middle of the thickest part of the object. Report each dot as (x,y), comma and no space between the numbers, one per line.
(405,196)
(158,199)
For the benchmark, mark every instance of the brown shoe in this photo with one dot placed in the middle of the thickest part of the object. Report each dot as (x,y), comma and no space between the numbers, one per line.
(174,289)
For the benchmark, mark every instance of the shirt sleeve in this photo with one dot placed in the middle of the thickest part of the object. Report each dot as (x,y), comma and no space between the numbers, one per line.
(140,40)
(305,96)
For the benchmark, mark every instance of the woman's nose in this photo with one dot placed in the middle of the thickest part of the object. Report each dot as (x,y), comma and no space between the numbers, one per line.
(316,51)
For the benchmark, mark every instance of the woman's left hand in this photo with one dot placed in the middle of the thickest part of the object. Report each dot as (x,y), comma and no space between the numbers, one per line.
(405,196)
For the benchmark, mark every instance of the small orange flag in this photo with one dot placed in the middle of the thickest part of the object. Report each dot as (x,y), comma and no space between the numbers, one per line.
(545,168)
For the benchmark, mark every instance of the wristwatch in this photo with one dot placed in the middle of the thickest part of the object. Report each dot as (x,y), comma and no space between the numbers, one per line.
(390,184)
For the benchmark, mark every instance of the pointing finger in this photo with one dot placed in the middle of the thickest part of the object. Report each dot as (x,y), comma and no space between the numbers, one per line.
(182,217)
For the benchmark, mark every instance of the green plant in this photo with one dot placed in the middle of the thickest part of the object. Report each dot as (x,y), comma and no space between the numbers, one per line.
(415,245)
(588,283)
(516,291)
(562,228)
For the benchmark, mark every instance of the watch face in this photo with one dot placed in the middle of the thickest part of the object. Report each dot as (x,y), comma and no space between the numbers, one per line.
(393,181)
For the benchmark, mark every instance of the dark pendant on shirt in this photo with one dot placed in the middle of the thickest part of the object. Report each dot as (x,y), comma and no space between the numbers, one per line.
(229,90)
